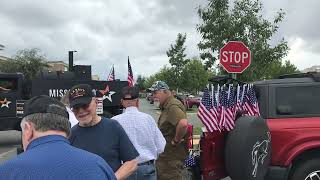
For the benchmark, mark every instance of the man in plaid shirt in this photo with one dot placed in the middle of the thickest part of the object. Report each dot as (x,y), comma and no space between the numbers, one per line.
(143,132)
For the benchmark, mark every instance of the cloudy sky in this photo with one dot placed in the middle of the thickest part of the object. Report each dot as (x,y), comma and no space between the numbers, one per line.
(105,32)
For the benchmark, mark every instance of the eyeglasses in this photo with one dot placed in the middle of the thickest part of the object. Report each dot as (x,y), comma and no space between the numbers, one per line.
(78,106)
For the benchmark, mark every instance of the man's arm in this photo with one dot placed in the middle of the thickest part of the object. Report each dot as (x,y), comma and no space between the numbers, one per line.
(128,155)
(181,130)
(160,141)
(126,169)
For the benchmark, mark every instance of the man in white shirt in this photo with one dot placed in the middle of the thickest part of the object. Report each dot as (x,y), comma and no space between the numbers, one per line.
(143,133)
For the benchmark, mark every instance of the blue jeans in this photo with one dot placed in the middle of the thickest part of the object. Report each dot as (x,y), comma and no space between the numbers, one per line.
(144,172)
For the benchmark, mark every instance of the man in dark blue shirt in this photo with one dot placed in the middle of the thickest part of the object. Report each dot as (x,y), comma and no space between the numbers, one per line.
(48,154)
(99,135)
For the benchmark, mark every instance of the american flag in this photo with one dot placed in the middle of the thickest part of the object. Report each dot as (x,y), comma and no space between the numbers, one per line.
(230,109)
(251,103)
(130,75)
(238,99)
(214,108)
(111,76)
(190,161)
(204,113)
(222,107)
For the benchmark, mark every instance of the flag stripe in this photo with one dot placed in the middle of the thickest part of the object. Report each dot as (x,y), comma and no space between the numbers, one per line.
(130,75)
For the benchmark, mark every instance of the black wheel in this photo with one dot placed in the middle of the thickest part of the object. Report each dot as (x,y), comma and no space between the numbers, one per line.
(307,170)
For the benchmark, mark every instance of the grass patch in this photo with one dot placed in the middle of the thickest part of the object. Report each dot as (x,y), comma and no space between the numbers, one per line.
(192,110)
(197,131)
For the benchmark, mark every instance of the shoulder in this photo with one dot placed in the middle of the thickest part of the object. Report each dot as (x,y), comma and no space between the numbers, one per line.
(88,156)
(176,102)
(112,124)
(15,163)
(175,108)
(75,129)
(117,117)
(109,122)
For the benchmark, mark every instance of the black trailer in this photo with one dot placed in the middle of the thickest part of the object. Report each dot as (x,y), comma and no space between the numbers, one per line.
(14,90)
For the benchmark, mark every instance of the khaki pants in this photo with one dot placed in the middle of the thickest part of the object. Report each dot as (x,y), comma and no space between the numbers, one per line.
(169,169)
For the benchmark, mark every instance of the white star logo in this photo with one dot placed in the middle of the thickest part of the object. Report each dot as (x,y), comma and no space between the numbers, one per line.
(5,103)
(109,96)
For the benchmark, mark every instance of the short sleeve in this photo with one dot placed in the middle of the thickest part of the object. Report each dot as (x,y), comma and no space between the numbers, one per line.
(106,169)
(175,114)
(127,151)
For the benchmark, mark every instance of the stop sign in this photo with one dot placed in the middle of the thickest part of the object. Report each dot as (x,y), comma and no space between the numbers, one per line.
(235,57)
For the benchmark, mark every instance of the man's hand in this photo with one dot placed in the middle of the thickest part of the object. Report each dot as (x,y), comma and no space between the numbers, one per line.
(175,142)
(126,169)
(181,130)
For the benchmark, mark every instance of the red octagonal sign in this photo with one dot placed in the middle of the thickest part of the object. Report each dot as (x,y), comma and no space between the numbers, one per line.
(235,57)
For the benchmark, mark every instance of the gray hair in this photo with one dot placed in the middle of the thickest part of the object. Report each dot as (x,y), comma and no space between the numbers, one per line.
(48,121)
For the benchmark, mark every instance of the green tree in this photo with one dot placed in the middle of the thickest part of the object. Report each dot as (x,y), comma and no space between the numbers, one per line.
(177,59)
(194,76)
(150,80)
(243,22)
(28,61)
(141,83)
(277,68)
(165,74)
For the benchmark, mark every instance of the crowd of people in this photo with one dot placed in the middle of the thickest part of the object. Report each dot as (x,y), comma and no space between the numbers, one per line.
(68,140)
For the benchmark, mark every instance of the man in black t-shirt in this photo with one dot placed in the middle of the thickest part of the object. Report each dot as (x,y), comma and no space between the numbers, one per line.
(99,135)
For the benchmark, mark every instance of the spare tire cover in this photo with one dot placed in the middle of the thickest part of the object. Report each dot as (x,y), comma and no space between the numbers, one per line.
(248,149)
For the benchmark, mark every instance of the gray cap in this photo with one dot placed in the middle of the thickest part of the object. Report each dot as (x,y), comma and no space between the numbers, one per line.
(159,85)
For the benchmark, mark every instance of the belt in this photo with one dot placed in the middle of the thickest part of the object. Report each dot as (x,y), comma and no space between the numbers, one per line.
(146,163)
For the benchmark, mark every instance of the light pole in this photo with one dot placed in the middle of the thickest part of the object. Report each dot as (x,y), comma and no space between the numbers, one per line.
(71,60)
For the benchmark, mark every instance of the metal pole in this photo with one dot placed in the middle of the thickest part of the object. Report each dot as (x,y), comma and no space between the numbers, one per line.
(71,60)
(234,75)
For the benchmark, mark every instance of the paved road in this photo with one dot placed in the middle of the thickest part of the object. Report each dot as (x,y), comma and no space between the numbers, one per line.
(9,141)
(151,109)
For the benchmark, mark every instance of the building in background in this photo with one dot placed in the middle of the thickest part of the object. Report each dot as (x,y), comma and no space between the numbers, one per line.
(57,66)
(312,69)
(95,77)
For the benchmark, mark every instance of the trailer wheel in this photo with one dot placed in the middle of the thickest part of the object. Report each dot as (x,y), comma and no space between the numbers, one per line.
(248,149)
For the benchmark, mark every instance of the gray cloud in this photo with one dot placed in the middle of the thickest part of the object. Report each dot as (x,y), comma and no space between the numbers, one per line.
(105,32)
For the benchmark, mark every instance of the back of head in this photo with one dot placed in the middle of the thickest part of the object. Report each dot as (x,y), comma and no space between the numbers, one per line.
(130,93)
(130,97)
(46,113)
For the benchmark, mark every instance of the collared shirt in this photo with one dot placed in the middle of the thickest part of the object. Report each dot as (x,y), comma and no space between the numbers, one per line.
(52,157)
(172,111)
(143,133)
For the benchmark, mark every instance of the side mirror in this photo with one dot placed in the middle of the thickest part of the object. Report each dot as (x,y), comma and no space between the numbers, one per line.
(284,110)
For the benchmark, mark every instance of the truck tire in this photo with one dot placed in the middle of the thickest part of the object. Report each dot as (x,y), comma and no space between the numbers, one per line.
(307,170)
(248,149)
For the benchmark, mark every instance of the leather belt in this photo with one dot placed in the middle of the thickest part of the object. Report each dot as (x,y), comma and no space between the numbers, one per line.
(146,163)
